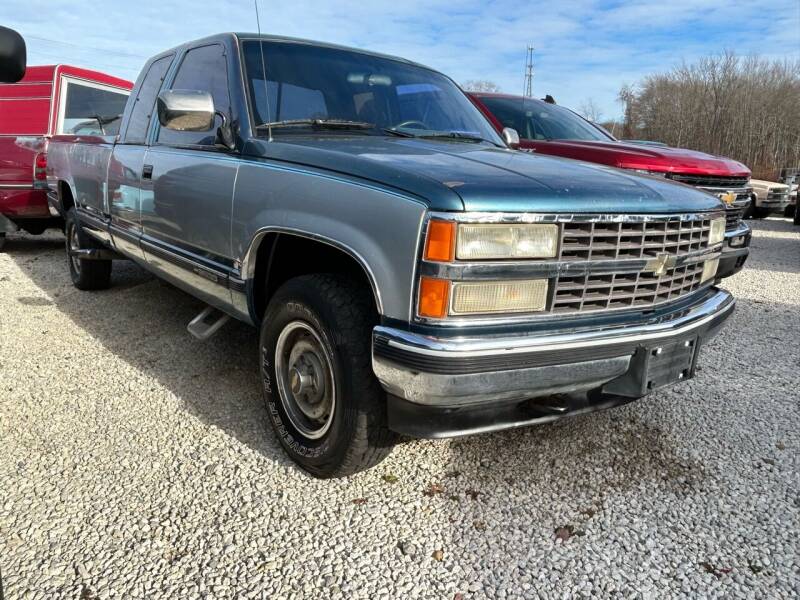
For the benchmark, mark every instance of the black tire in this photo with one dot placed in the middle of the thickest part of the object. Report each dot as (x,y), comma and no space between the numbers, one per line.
(796,219)
(85,274)
(329,318)
(2,240)
(760,213)
(748,211)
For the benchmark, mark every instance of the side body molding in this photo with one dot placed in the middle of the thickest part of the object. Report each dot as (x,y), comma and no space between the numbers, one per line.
(379,228)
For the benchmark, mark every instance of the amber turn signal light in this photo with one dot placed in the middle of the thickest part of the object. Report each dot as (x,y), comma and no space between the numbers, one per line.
(440,243)
(433,297)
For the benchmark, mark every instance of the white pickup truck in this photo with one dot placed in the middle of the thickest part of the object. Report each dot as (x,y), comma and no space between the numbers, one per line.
(768,197)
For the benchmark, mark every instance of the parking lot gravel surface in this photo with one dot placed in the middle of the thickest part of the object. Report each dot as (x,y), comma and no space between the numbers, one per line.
(137,462)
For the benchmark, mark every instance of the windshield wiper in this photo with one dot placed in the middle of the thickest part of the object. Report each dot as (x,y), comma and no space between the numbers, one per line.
(466,136)
(318,124)
(398,133)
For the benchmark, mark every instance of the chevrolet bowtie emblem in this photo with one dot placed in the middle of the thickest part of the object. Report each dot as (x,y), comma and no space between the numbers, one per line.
(661,263)
(728,197)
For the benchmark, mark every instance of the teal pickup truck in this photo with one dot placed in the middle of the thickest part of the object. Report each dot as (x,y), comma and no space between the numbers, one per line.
(409,272)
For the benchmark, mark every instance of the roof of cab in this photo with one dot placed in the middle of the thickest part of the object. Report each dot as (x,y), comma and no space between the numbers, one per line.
(502,95)
(230,36)
(46,73)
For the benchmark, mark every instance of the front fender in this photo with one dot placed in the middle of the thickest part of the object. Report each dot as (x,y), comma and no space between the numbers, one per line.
(379,228)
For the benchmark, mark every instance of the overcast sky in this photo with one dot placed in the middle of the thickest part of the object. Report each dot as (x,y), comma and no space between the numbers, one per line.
(584,48)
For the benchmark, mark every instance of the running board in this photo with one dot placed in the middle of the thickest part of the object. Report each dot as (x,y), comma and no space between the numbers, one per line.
(96,254)
(207,323)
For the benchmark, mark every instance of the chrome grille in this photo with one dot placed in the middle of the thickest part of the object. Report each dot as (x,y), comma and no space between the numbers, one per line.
(585,293)
(613,241)
(710,180)
(733,216)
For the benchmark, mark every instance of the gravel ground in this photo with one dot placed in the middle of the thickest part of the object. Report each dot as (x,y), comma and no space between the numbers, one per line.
(137,462)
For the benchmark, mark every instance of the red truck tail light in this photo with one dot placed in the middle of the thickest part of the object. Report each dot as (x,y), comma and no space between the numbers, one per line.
(40,167)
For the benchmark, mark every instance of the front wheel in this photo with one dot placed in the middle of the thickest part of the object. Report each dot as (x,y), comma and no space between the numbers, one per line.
(760,213)
(323,400)
(85,274)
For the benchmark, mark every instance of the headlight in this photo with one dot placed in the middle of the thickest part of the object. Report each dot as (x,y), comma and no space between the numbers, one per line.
(494,241)
(709,270)
(717,233)
(499,297)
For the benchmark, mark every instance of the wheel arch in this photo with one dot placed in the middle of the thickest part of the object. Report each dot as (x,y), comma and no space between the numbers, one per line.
(66,197)
(263,271)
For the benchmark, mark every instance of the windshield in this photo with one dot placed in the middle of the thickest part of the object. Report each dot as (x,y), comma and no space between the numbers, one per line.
(312,83)
(537,120)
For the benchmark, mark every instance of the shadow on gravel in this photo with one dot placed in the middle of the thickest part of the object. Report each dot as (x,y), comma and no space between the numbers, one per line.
(216,380)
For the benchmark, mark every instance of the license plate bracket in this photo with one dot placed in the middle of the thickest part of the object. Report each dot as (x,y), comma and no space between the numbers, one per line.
(656,366)
(669,363)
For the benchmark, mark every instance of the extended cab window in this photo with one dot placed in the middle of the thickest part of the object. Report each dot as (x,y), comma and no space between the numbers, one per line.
(203,69)
(144,104)
(91,108)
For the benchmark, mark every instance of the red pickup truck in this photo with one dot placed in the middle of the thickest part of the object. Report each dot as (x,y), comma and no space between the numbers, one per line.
(49,100)
(547,128)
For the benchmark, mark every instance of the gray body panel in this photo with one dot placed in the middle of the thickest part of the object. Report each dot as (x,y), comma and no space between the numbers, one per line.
(379,228)
(124,198)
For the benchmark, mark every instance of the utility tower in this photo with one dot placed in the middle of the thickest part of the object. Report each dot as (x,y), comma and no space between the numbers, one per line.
(529,73)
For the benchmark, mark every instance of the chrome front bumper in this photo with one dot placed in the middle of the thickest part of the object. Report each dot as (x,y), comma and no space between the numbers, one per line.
(774,204)
(475,371)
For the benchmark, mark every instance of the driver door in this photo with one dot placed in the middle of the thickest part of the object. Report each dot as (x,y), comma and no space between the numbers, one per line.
(187,187)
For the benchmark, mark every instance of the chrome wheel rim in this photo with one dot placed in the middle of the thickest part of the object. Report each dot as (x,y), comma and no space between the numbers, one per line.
(73,245)
(306,385)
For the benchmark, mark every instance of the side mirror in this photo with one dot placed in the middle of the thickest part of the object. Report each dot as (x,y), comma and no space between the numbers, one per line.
(185,110)
(12,56)
(511,138)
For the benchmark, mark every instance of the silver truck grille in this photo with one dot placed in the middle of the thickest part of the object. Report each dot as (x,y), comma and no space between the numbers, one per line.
(733,216)
(614,241)
(602,241)
(624,290)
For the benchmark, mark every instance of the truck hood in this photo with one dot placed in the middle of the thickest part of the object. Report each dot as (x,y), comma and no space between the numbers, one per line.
(641,156)
(479,177)
(762,184)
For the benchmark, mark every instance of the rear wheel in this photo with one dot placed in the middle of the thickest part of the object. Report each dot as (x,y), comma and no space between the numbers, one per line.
(2,240)
(796,219)
(323,400)
(85,274)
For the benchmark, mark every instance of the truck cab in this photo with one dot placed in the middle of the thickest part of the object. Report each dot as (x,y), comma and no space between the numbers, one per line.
(49,100)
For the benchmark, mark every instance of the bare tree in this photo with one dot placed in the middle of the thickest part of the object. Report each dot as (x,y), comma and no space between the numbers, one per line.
(613,126)
(480,85)
(589,109)
(745,108)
